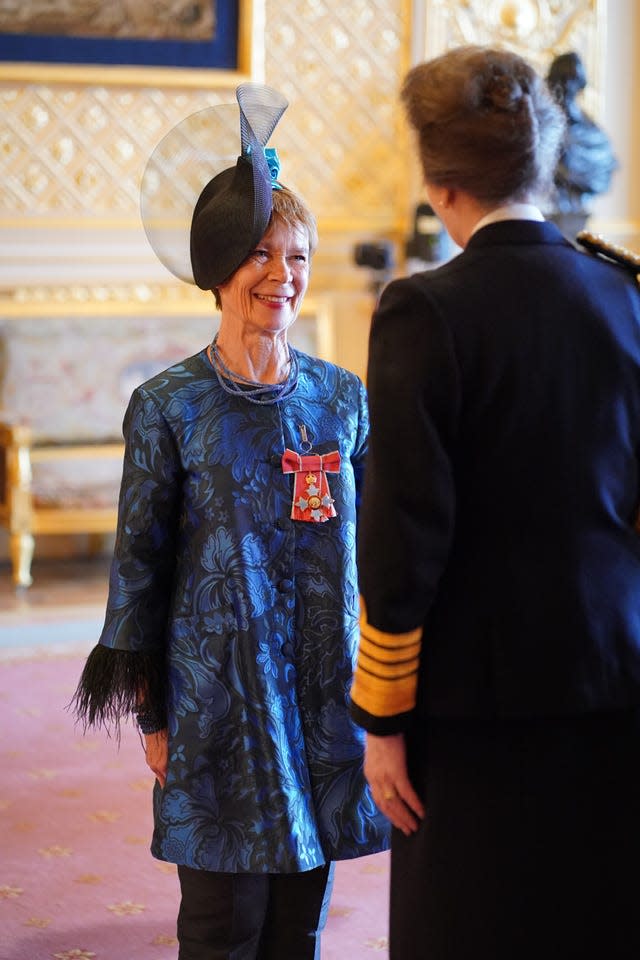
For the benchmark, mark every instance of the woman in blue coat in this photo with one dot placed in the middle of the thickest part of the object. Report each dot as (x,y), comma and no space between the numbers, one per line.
(232,615)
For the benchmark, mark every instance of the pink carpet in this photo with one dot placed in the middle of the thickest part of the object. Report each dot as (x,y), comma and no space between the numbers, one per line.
(77,881)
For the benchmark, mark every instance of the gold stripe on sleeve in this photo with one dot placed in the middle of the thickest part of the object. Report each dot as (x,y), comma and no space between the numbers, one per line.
(386,674)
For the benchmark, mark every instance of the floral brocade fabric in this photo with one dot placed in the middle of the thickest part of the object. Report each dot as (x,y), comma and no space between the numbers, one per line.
(255,615)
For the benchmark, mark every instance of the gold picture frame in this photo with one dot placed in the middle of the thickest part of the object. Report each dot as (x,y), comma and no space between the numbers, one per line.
(249,64)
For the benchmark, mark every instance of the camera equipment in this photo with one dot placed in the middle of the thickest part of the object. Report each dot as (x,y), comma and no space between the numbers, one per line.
(429,242)
(376,256)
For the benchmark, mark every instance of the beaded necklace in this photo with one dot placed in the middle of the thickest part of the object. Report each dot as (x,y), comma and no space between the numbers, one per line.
(255,392)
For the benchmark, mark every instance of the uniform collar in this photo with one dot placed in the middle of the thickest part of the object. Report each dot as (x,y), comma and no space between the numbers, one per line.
(510,211)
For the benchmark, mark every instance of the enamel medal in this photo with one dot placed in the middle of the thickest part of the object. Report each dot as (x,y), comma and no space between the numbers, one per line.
(312,500)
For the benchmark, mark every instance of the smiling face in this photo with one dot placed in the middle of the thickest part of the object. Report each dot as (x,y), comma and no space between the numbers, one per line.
(265,293)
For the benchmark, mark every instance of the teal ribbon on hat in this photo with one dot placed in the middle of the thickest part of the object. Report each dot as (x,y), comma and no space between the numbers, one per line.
(273,162)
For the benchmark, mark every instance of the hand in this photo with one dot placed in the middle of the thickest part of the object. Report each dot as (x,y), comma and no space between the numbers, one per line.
(385,767)
(156,750)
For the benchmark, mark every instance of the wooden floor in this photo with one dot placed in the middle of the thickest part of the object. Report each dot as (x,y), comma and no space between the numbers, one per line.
(58,585)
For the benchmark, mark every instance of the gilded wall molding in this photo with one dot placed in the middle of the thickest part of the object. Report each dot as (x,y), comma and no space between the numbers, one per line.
(538,30)
(79,299)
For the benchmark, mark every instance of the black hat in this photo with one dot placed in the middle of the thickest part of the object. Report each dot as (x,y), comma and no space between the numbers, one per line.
(203,237)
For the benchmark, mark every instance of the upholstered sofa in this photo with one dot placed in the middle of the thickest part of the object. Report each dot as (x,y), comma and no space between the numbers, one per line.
(49,488)
(67,369)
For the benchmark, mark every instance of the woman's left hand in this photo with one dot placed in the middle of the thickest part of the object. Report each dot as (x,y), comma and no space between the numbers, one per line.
(156,750)
(385,767)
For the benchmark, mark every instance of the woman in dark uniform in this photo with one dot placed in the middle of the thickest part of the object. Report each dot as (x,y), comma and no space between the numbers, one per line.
(499,667)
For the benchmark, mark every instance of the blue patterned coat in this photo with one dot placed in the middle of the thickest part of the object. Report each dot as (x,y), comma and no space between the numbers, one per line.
(255,615)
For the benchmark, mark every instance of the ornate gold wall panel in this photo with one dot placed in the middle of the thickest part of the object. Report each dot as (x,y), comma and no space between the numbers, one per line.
(75,152)
(536,29)
(341,64)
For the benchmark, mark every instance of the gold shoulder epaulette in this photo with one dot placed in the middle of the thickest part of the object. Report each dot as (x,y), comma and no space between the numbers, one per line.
(596,243)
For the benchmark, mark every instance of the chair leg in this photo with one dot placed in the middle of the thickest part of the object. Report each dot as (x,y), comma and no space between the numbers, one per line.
(95,544)
(21,546)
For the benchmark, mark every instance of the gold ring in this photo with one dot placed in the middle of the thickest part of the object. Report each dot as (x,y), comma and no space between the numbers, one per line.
(389,796)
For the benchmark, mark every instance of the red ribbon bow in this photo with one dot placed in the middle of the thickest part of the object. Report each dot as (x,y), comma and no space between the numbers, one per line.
(312,499)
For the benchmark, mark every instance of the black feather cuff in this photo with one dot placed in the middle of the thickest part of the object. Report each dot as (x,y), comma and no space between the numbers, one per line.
(113,685)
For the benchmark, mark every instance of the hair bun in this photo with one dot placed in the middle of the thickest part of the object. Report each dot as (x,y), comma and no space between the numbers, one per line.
(503,92)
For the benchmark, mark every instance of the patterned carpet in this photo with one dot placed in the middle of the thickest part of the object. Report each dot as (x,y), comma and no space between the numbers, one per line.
(76,879)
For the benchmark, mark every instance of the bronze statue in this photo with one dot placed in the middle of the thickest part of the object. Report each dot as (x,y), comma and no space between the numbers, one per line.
(587,160)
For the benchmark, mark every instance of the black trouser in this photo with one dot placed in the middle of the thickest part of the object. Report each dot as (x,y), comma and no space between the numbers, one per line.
(249,916)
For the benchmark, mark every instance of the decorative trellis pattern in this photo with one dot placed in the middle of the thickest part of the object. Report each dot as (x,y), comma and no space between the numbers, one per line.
(79,152)
(341,64)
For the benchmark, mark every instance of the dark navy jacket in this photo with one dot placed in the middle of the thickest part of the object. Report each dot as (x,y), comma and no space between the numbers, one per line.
(503,479)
